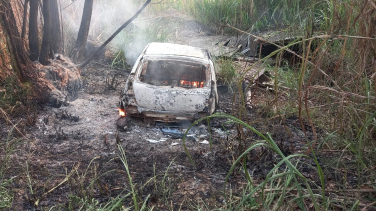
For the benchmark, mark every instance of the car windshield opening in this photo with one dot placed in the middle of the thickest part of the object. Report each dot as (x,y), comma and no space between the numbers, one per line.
(173,73)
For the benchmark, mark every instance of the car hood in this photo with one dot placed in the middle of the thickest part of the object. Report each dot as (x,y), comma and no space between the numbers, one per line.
(165,98)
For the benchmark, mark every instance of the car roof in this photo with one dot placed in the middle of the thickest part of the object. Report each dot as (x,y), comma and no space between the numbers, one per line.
(156,48)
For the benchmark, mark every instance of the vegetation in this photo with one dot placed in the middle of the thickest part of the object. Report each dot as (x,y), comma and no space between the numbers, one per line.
(249,14)
(337,75)
(227,72)
(330,89)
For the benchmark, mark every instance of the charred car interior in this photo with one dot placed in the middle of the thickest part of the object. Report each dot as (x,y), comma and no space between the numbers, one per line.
(173,73)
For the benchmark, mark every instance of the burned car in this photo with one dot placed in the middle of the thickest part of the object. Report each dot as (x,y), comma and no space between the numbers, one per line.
(171,82)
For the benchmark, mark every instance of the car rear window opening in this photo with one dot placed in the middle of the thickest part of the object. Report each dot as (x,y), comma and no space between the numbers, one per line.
(173,73)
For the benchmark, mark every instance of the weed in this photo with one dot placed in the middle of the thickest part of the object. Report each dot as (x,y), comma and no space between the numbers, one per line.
(247,14)
(119,60)
(227,72)
(91,204)
(8,145)
(287,182)
(13,93)
(6,196)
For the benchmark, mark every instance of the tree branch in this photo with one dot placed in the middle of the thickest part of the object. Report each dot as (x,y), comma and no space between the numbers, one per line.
(83,64)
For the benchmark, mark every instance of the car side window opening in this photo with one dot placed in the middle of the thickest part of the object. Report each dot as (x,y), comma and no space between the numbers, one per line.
(173,73)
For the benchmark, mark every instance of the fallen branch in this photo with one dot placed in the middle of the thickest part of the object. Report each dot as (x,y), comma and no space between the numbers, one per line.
(367,206)
(293,52)
(69,5)
(5,116)
(372,3)
(346,94)
(83,64)
(61,183)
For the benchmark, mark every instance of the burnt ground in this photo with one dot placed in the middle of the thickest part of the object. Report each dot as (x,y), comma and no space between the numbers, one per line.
(79,141)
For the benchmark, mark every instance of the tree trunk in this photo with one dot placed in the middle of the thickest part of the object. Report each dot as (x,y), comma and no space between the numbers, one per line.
(83,31)
(24,19)
(84,63)
(56,42)
(46,42)
(33,31)
(20,62)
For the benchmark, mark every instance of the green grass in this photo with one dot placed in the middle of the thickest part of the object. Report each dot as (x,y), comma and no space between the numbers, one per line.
(330,89)
(13,93)
(245,14)
(7,147)
(284,177)
(227,72)
(6,196)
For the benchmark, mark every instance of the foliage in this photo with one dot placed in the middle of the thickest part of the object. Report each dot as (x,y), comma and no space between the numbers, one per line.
(331,88)
(13,93)
(247,14)
(6,197)
(7,147)
(77,203)
(227,72)
(286,181)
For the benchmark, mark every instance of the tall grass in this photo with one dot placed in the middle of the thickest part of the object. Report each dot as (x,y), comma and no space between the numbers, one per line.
(7,147)
(336,71)
(247,14)
(227,72)
(332,85)
(283,184)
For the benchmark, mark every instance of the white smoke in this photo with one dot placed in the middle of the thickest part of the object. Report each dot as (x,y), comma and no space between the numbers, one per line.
(107,17)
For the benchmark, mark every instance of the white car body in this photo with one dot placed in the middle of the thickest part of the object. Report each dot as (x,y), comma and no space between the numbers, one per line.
(171,82)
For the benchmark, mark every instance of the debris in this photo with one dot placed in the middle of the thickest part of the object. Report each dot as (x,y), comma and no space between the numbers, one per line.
(176,134)
(59,135)
(227,42)
(203,136)
(219,131)
(247,49)
(122,123)
(204,142)
(64,115)
(163,139)
(222,89)
(254,74)
(174,144)
(152,141)
(156,141)
(191,137)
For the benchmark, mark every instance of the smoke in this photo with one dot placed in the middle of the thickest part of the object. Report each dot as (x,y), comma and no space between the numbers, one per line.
(107,17)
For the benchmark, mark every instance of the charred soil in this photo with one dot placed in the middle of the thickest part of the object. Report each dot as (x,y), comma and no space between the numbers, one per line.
(72,152)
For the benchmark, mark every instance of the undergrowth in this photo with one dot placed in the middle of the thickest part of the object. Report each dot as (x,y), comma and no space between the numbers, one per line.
(13,93)
(245,14)
(331,91)
(7,147)
(227,72)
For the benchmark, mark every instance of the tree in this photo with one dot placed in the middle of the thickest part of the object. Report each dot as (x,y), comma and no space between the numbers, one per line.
(83,31)
(56,42)
(24,19)
(46,41)
(33,31)
(87,60)
(19,59)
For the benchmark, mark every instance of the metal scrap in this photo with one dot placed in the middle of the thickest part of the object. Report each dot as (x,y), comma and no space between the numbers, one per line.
(176,134)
